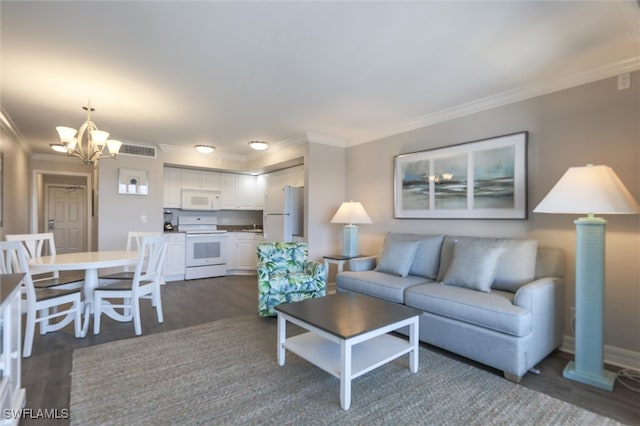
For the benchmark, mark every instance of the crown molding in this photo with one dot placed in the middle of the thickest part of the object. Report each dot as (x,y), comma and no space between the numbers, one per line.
(514,95)
(326,139)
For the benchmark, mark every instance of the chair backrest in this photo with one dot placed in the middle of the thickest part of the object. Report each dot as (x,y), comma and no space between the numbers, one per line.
(151,260)
(134,240)
(37,245)
(13,260)
(283,257)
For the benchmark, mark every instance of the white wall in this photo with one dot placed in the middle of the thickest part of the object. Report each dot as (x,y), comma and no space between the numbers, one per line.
(593,123)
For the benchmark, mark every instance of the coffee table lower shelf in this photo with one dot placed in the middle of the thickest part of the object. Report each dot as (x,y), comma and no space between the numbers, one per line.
(365,356)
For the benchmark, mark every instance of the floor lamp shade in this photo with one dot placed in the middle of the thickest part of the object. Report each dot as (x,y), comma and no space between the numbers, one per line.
(589,190)
(351,213)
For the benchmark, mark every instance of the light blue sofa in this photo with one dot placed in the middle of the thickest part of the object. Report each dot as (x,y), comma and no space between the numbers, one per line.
(496,301)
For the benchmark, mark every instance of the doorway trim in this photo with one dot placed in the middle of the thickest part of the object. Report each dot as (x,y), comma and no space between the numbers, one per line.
(36,178)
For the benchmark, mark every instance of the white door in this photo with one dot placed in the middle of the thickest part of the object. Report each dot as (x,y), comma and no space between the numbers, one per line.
(66,217)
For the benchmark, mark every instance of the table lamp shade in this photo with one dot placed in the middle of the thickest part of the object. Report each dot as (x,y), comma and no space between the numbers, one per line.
(350,213)
(589,189)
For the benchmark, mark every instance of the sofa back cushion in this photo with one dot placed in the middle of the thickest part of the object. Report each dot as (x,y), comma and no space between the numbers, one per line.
(396,257)
(516,265)
(473,266)
(426,260)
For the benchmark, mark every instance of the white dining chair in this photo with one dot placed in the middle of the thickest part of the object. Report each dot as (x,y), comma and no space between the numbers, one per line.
(145,284)
(43,304)
(43,244)
(134,242)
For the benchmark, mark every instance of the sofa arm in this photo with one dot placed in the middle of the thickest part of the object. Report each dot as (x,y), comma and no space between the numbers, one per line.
(544,299)
(366,263)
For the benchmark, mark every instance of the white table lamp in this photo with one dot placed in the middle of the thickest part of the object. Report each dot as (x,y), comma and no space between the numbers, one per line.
(589,190)
(351,213)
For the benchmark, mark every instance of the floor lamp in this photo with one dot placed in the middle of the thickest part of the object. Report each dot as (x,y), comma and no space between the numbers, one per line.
(351,213)
(589,190)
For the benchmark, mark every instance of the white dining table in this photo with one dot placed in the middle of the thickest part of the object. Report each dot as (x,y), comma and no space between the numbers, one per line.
(90,262)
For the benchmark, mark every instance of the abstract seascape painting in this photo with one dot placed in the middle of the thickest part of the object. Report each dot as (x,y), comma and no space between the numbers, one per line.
(485,179)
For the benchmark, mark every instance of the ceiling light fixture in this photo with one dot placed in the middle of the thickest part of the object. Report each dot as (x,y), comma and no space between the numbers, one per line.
(89,143)
(259,145)
(205,149)
(58,147)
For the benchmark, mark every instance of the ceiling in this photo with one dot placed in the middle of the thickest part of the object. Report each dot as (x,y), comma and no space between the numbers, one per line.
(224,73)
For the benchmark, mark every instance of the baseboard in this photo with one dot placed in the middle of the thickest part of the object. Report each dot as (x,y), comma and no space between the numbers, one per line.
(612,354)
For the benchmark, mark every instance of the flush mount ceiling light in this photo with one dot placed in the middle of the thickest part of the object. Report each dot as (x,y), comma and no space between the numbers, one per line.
(205,149)
(89,143)
(259,145)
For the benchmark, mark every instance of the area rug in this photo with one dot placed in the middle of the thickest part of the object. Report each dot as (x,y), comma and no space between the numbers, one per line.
(225,372)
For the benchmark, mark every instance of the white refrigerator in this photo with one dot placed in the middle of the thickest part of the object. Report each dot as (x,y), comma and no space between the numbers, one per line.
(283,215)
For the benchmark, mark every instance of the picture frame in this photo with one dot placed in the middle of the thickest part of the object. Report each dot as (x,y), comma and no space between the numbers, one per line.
(133,182)
(483,179)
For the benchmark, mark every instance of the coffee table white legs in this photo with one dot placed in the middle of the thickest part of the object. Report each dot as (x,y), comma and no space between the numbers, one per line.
(345,377)
(282,336)
(415,344)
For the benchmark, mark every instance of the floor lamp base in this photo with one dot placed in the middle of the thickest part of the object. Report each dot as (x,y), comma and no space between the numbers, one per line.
(605,380)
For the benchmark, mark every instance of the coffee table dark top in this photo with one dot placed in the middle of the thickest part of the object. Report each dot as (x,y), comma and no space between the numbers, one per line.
(347,315)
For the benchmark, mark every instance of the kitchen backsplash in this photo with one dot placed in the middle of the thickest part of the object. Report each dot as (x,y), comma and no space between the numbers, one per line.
(240,218)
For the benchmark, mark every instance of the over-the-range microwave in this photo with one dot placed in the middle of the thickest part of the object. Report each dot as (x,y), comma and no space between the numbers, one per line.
(201,199)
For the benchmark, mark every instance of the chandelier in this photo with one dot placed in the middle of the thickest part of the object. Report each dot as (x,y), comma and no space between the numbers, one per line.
(89,143)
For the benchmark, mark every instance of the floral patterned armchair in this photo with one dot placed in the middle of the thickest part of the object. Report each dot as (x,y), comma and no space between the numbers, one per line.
(286,275)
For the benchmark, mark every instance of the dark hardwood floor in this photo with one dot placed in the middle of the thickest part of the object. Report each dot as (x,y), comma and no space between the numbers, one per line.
(46,374)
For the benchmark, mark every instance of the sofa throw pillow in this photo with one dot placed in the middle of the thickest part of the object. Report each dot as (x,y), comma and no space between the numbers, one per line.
(427,257)
(517,265)
(397,257)
(473,266)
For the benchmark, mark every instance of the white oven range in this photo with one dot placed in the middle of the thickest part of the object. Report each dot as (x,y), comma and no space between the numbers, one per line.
(206,247)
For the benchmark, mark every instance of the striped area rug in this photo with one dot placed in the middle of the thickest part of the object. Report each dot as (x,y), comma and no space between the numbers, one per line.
(225,372)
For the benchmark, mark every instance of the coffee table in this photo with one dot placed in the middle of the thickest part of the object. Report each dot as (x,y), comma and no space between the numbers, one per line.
(348,335)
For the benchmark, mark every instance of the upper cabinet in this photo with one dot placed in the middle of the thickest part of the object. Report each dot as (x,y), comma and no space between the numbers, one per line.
(242,192)
(172,187)
(239,192)
(293,176)
(200,179)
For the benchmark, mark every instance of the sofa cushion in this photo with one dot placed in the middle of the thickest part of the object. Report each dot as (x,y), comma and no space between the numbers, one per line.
(427,257)
(473,266)
(516,266)
(378,284)
(397,256)
(493,310)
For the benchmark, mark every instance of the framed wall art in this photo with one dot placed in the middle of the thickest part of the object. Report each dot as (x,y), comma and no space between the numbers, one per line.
(132,181)
(485,179)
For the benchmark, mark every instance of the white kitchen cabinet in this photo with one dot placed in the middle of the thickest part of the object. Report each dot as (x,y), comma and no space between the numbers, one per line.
(293,176)
(12,395)
(212,180)
(175,259)
(229,183)
(172,187)
(200,179)
(242,257)
(251,192)
(246,251)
